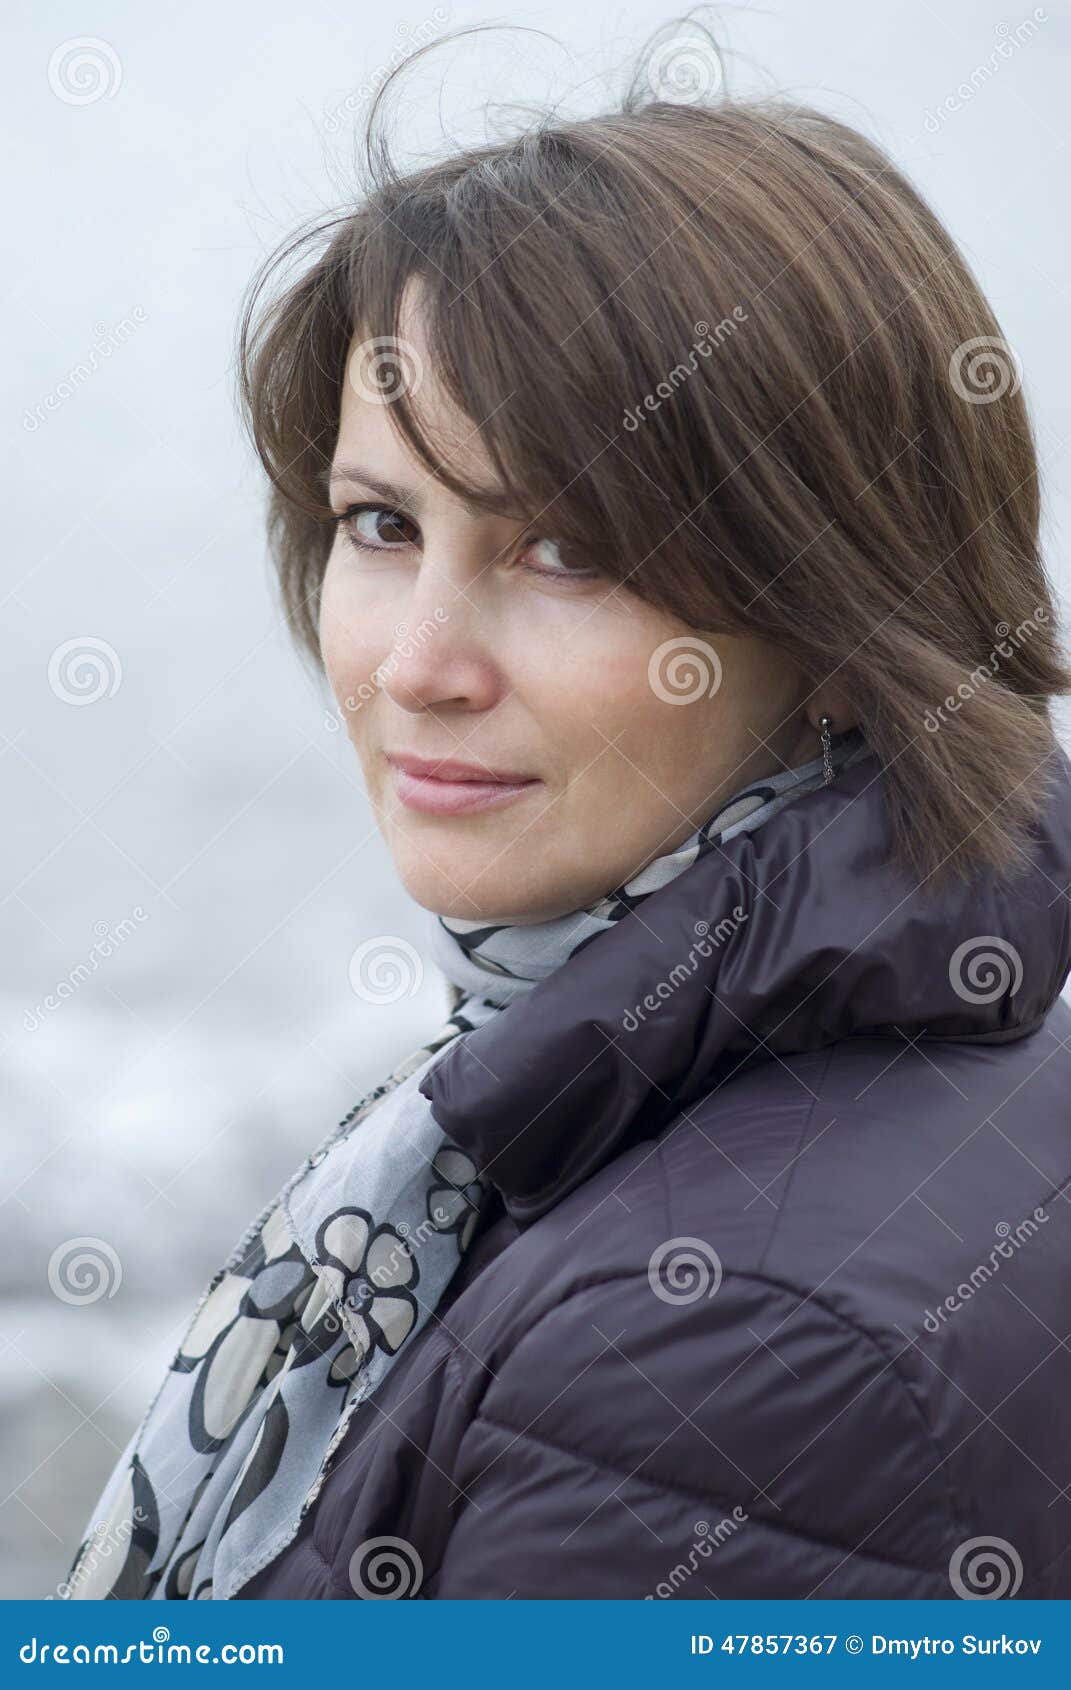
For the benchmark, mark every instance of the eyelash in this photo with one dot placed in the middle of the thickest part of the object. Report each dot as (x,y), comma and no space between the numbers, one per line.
(344,518)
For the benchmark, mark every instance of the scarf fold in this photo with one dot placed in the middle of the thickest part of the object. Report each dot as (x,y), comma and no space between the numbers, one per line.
(337,1274)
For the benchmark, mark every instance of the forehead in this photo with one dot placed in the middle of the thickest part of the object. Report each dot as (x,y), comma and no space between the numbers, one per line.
(384,373)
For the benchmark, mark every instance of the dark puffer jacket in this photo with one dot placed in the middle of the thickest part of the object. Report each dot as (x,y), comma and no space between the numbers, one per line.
(848,1102)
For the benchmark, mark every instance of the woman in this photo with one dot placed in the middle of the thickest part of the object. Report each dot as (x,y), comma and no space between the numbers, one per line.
(659,495)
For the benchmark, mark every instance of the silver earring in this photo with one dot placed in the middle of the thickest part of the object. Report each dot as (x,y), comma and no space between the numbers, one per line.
(825,725)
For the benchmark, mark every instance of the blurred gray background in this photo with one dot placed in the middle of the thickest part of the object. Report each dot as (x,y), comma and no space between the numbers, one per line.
(201,819)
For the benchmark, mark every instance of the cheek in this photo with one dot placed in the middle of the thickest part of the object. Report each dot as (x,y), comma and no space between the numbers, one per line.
(657,709)
(599,676)
(348,634)
(607,696)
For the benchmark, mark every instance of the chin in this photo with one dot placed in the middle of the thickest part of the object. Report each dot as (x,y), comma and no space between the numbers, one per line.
(459,891)
(454,890)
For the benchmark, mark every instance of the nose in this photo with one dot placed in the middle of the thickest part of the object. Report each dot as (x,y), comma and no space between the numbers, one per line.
(441,655)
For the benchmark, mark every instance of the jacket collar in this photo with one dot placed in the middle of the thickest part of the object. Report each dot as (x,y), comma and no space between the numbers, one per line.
(789,938)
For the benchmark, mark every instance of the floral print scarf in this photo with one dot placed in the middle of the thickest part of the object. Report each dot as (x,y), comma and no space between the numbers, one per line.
(340,1271)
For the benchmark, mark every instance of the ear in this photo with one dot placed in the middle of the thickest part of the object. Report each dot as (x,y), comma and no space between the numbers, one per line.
(832,702)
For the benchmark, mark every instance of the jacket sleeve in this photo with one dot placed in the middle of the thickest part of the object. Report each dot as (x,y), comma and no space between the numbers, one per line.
(749,1443)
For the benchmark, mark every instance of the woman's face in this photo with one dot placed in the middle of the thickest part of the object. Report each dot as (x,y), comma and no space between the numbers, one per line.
(465,638)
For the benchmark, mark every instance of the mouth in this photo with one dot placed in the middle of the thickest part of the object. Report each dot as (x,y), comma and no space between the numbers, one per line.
(441,787)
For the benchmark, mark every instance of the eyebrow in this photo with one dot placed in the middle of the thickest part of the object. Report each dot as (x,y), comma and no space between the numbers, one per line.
(398,497)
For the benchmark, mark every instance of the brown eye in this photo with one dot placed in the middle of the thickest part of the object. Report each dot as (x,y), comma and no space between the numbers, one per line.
(375,528)
(549,557)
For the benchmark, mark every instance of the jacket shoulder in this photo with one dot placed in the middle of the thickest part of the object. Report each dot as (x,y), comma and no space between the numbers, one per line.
(651,1414)
(734,1317)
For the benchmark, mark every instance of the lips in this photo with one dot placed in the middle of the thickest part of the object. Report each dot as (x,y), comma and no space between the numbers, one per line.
(445,787)
(446,769)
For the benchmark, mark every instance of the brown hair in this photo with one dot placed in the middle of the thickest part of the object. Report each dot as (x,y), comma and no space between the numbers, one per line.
(745,368)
